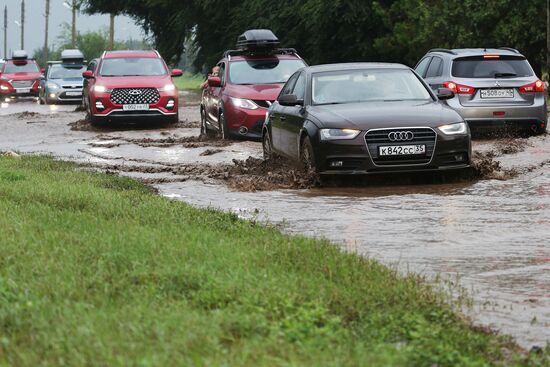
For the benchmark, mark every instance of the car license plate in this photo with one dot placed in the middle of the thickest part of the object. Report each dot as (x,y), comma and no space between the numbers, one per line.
(23,91)
(401,150)
(497,93)
(135,107)
(73,94)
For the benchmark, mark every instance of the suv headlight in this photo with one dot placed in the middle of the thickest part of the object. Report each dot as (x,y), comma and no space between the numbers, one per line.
(243,103)
(101,89)
(339,134)
(52,85)
(459,128)
(168,88)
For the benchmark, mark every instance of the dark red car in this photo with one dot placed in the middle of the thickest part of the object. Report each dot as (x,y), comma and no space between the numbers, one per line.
(20,76)
(130,86)
(235,103)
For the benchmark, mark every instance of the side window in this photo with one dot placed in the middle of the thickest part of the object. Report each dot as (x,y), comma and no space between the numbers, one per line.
(423,66)
(300,87)
(289,86)
(92,66)
(222,72)
(435,68)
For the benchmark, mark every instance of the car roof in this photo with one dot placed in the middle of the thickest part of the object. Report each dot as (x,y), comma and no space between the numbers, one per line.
(264,57)
(461,52)
(354,66)
(130,53)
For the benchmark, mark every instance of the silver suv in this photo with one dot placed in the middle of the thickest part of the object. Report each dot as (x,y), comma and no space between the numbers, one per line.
(493,87)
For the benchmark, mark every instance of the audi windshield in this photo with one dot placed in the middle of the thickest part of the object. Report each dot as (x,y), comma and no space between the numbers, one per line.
(270,71)
(377,85)
(132,66)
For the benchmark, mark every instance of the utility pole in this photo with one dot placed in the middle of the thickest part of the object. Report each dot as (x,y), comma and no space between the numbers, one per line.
(73,36)
(47,16)
(22,24)
(112,32)
(548,39)
(6,32)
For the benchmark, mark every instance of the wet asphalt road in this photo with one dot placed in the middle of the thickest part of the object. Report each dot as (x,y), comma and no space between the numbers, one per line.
(491,235)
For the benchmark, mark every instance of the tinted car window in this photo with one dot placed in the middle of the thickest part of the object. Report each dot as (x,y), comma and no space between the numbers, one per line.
(62,72)
(300,87)
(483,67)
(270,71)
(221,73)
(287,89)
(132,66)
(382,85)
(21,68)
(435,68)
(422,66)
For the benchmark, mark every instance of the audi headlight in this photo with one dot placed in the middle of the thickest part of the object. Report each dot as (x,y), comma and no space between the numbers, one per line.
(339,134)
(101,89)
(243,103)
(52,85)
(168,88)
(454,129)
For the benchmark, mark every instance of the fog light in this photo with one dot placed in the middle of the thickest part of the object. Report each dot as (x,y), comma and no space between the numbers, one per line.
(99,105)
(170,104)
(336,164)
(52,95)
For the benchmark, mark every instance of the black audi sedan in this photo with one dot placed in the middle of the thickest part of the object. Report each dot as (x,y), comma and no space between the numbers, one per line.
(365,118)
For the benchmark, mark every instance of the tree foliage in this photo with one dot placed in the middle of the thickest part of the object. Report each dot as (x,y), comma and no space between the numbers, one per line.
(326,31)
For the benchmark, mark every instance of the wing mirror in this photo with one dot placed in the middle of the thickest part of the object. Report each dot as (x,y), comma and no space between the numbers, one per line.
(445,93)
(214,81)
(176,73)
(290,100)
(88,74)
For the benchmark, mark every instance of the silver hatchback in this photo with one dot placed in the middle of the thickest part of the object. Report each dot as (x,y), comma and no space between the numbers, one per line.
(493,87)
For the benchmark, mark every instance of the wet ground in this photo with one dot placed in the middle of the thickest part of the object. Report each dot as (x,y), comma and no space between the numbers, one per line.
(486,231)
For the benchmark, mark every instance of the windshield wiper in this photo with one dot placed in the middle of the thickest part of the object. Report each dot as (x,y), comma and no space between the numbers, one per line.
(504,75)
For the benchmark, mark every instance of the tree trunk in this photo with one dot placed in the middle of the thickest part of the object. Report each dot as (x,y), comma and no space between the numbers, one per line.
(548,40)
(47,16)
(73,35)
(112,33)
(22,24)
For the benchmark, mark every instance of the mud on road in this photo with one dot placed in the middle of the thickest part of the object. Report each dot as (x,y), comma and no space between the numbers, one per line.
(487,227)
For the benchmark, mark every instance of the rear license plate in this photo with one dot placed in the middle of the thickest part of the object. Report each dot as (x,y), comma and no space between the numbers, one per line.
(401,150)
(497,93)
(74,94)
(23,91)
(135,107)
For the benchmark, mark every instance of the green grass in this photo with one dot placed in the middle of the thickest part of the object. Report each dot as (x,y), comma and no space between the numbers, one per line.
(189,81)
(96,270)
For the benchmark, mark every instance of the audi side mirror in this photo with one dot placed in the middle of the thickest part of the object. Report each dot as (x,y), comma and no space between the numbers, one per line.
(88,74)
(445,93)
(214,81)
(290,100)
(176,73)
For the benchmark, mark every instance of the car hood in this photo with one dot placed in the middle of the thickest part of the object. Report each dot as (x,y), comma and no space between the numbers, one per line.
(372,115)
(264,92)
(134,81)
(71,81)
(22,76)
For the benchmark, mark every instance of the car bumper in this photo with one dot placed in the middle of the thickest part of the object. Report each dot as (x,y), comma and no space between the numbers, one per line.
(63,96)
(112,111)
(487,117)
(245,123)
(450,153)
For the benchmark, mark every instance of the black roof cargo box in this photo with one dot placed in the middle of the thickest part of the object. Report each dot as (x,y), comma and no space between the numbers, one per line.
(257,40)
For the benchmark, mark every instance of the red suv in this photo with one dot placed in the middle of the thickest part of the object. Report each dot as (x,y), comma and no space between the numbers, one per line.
(236,101)
(20,76)
(130,86)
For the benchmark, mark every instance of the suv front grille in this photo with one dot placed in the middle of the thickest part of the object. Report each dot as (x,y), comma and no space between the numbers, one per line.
(22,83)
(422,136)
(135,96)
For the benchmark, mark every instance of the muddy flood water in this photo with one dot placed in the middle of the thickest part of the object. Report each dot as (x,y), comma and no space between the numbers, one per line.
(486,233)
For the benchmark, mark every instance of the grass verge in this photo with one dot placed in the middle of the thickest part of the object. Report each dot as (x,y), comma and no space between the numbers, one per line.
(189,81)
(97,270)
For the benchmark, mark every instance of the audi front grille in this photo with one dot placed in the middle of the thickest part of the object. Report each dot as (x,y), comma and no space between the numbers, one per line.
(404,136)
(135,96)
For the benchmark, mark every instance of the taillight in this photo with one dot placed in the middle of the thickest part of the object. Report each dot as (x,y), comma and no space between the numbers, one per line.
(458,88)
(537,86)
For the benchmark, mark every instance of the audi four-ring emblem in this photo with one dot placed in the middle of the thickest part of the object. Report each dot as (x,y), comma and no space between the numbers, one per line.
(401,136)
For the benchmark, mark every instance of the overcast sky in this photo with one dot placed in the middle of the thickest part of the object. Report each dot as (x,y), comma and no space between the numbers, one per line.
(125,27)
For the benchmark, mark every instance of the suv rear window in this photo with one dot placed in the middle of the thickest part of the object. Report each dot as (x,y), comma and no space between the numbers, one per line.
(482,67)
